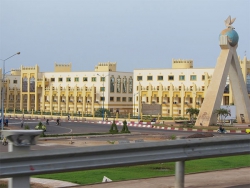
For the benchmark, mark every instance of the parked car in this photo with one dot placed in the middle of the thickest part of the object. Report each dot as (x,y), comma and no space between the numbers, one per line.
(248,131)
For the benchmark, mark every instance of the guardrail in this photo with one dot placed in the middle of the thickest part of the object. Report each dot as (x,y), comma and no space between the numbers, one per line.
(24,164)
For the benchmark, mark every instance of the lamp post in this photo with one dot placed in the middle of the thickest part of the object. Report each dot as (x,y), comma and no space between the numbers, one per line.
(139,102)
(2,93)
(134,103)
(102,79)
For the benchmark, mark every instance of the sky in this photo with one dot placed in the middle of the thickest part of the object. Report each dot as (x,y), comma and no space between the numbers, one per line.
(136,34)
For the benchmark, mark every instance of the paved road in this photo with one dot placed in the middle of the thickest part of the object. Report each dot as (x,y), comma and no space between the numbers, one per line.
(80,127)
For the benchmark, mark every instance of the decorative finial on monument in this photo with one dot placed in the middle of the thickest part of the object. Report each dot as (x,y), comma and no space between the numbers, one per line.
(229,22)
(245,53)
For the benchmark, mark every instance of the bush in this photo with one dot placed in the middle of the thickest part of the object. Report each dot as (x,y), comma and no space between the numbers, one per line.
(180,118)
(40,126)
(166,118)
(113,129)
(26,127)
(172,137)
(125,127)
(99,111)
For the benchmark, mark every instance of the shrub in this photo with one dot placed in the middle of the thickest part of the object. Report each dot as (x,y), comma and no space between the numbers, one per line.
(40,126)
(172,137)
(26,127)
(180,118)
(166,118)
(125,127)
(113,129)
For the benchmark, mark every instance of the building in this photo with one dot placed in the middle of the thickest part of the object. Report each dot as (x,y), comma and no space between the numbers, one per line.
(169,92)
(64,91)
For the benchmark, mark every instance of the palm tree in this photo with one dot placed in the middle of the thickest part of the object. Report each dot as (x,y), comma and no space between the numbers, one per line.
(192,112)
(222,112)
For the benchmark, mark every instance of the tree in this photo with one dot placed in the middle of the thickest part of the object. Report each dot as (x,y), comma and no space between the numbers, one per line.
(192,112)
(113,129)
(222,112)
(125,127)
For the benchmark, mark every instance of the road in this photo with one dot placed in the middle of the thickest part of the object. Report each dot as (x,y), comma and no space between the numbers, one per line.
(85,128)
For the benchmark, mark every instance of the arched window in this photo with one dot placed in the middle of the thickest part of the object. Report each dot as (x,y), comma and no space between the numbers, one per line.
(124,85)
(130,85)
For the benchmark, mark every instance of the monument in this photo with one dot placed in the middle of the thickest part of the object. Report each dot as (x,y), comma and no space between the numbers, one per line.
(227,65)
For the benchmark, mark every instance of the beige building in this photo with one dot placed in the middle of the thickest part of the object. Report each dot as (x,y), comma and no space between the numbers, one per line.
(65,91)
(168,92)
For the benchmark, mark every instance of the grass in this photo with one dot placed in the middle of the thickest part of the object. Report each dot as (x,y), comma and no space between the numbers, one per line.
(150,170)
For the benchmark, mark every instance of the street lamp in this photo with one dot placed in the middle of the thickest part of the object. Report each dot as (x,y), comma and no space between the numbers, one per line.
(2,94)
(102,79)
(134,103)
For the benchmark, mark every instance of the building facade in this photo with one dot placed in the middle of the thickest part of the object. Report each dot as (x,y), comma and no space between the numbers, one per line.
(28,89)
(169,92)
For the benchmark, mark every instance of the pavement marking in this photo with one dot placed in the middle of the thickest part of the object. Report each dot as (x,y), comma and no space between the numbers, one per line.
(58,126)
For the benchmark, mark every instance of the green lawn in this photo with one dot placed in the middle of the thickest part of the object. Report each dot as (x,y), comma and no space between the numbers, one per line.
(151,170)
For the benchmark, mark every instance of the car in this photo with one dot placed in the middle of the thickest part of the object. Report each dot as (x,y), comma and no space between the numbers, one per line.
(248,131)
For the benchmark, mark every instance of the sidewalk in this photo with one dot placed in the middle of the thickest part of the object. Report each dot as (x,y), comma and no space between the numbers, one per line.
(236,178)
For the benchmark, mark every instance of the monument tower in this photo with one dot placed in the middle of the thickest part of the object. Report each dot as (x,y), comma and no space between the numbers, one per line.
(227,65)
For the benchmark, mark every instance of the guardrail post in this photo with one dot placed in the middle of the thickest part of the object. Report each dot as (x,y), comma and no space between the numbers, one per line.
(21,181)
(19,141)
(179,174)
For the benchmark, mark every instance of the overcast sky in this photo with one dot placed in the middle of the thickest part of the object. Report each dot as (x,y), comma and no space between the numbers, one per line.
(136,34)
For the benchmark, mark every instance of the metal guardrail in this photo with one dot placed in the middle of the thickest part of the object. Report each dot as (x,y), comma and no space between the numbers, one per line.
(29,163)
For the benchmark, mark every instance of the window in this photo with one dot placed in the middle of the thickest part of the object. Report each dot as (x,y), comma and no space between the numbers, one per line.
(68,79)
(192,77)
(139,78)
(60,79)
(52,79)
(118,99)
(93,79)
(150,78)
(102,88)
(203,77)
(191,100)
(179,99)
(14,81)
(160,77)
(102,79)
(170,77)
(130,99)
(102,98)
(182,77)
(85,79)
(111,98)
(76,79)
(124,99)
